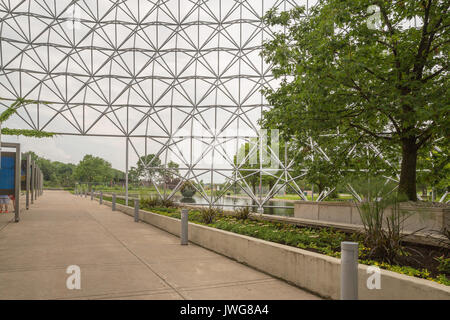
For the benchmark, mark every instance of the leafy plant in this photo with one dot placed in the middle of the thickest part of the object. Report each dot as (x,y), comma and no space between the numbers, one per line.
(208,215)
(242,213)
(383,222)
(155,202)
(444,264)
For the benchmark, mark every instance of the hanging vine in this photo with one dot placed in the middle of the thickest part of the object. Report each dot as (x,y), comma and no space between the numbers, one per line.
(5,115)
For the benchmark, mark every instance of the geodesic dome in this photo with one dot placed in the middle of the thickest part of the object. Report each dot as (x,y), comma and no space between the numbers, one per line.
(177,78)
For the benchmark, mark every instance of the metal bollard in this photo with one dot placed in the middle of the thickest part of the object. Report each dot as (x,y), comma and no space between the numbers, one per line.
(184,226)
(101,197)
(136,210)
(85,193)
(92,195)
(349,270)
(113,206)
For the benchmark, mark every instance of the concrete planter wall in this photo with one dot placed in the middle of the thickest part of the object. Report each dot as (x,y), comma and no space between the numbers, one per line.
(347,213)
(314,272)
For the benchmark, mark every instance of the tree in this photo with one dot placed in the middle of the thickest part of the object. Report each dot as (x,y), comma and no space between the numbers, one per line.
(170,175)
(249,171)
(133,175)
(93,169)
(55,173)
(387,86)
(64,173)
(117,175)
(148,167)
(435,168)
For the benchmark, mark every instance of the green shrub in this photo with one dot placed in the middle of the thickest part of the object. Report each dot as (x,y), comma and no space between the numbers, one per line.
(444,264)
(208,215)
(242,213)
(322,240)
(382,232)
(155,201)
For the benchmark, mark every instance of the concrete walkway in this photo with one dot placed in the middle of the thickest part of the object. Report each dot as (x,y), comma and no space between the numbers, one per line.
(119,259)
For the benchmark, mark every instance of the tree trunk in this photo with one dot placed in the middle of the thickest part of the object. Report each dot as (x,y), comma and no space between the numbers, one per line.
(271,184)
(321,187)
(407,185)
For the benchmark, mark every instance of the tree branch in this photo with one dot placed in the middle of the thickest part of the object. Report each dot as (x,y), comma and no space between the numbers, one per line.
(431,76)
(373,134)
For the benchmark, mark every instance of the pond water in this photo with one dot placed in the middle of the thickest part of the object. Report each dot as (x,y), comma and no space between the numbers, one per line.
(278,207)
(273,207)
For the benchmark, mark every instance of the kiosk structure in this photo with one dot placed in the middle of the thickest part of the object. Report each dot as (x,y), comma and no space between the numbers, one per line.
(10,175)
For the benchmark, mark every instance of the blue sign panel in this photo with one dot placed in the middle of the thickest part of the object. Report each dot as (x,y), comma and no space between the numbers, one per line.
(7,173)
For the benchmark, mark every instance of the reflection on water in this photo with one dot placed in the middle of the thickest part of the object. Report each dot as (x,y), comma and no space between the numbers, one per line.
(230,202)
(187,200)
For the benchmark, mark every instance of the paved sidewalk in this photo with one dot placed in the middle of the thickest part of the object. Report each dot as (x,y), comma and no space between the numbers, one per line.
(119,259)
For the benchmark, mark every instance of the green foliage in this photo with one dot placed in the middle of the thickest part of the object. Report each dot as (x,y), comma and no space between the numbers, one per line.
(95,170)
(242,213)
(8,113)
(27,133)
(148,167)
(155,202)
(56,174)
(208,215)
(322,240)
(249,153)
(382,220)
(170,175)
(443,279)
(5,115)
(444,264)
(435,166)
(387,86)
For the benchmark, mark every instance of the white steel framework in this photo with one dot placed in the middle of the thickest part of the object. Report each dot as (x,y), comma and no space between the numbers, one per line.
(177,78)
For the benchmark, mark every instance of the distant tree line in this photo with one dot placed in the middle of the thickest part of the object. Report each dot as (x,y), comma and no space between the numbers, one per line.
(91,170)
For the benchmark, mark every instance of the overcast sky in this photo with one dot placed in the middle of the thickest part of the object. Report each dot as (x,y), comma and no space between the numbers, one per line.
(195,65)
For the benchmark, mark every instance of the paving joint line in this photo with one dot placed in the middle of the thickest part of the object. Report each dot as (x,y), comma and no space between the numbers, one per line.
(137,257)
